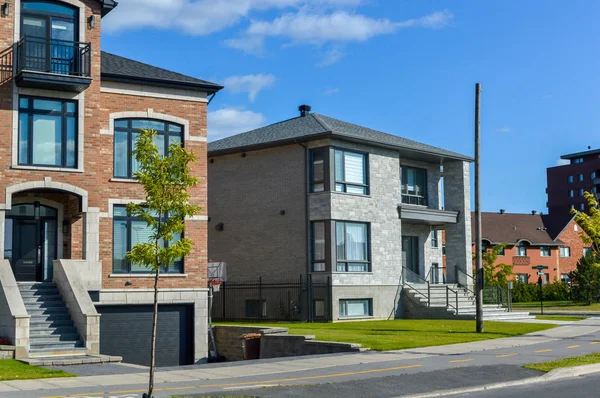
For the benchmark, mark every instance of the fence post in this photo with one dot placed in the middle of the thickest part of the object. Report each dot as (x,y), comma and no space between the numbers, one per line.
(447,296)
(223,299)
(330,299)
(310,299)
(260,304)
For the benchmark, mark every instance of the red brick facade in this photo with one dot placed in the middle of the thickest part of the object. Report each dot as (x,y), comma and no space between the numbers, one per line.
(571,237)
(98,163)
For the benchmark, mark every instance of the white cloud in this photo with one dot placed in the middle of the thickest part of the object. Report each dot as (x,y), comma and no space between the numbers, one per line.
(331,56)
(562,162)
(340,26)
(505,129)
(251,84)
(331,91)
(198,17)
(230,121)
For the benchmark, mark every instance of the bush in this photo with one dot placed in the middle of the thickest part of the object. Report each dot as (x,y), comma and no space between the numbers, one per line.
(586,279)
(528,292)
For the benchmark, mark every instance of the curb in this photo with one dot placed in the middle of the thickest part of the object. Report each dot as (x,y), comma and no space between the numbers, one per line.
(556,374)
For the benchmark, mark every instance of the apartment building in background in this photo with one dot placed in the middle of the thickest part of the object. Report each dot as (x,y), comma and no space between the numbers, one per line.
(69,117)
(318,197)
(567,183)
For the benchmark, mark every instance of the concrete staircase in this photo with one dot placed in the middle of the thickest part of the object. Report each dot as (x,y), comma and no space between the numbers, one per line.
(450,301)
(52,332)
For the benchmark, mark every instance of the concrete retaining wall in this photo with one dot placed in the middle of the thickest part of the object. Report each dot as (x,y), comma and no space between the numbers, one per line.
(14,320)
(7,352)
(274,343)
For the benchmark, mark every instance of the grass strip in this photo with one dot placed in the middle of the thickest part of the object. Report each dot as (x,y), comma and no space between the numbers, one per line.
(565,362)
(15,370)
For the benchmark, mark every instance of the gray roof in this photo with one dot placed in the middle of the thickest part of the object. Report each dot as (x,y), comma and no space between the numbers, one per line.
(117,68)
(316,126)
(581,154)
(107,6)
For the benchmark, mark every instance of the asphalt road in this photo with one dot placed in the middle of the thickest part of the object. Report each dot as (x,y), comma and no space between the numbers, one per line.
(366,379)
(585,386)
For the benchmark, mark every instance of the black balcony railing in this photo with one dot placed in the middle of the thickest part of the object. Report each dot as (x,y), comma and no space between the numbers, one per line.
(39,54)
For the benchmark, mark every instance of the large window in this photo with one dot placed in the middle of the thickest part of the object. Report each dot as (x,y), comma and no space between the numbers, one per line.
(127,132)
(127,232)
(414,186)
(544,251)
(318,246)
(352,247)
(356,308)
(47,132)
(351,172)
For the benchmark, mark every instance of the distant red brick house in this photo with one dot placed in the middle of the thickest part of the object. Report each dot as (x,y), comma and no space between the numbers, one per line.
(533,239)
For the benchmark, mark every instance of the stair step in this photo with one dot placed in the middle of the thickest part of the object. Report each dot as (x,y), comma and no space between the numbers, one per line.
(51,331)
(50,317)
(45,324)
(62,345)
(42,299)
(53,352)
(37,293)
(48,311)
(71,338)
(44,304)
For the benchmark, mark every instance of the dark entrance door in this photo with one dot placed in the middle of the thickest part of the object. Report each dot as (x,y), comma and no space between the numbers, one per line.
(410,257)
(25,250)
(30,241)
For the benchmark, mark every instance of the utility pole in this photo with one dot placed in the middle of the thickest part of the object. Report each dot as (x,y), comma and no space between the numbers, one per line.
(478,245)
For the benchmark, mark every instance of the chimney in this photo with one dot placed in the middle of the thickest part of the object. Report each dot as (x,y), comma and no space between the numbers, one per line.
(533,212)
(304,110)
(501,211)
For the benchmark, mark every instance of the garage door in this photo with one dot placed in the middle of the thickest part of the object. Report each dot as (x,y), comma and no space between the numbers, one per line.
(126,330)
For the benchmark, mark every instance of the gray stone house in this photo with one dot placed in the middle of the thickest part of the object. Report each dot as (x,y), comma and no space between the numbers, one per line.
(318,196)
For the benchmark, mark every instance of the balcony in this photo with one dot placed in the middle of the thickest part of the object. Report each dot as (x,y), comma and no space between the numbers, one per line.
(53,64)
(521,260)
(426,216)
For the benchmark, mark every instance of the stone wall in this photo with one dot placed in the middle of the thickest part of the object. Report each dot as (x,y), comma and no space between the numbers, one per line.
(274,343)
(7,352)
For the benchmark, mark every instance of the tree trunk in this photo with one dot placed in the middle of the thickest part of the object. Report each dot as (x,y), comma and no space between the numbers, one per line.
(153,347)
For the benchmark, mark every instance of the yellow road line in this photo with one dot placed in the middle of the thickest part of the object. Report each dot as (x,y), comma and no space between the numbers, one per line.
(595,342)
(574,346)
(462,360)
(548,350)
(130,391)
(311,377)
(505,355)
(178,388)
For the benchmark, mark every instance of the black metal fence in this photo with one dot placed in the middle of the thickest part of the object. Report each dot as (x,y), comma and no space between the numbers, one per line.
(299,300)
(42,54)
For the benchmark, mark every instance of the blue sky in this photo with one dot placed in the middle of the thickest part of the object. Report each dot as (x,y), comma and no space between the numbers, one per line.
(403,67)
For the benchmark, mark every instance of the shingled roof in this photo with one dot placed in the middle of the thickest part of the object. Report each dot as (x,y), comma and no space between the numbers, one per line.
(512,228)
(315,126)
(121,69)
(107,6)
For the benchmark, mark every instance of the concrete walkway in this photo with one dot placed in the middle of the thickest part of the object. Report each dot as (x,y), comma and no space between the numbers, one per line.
(286,369)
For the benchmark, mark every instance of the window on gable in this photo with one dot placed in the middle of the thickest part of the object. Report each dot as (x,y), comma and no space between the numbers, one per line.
(127,132)
(351,172)
(127,232)
(414,186)
(47,132)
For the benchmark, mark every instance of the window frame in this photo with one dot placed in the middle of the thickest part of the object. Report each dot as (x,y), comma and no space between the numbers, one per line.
(173,268)
(542,251)
(422,200)
(520,247)
(565,250)
(130,130)
(64,114)
(580,177)
(434,239)
(313,259)
(344,301)
(344,183)
(502,252)
(570,179)
(346,263)
(520,276)
(324,151)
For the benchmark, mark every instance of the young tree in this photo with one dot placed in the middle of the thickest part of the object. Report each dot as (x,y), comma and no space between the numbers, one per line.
(495,274)
(586,279)
(166,180)
(590,223)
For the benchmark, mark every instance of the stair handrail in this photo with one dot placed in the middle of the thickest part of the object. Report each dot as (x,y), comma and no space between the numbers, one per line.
(468,276)
(448,305)
(412,273)
(429,276)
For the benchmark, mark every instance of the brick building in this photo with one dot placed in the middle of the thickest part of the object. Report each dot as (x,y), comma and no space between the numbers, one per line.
(533,239)
(69,116)
(567,183)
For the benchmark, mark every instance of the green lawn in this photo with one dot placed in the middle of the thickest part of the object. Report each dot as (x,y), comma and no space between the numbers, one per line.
(565,362)
(15,370)
(406,333)
(560,318)
(556,306)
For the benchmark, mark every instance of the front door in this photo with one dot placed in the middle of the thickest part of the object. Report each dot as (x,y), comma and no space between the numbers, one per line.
(410,257)
(30,238)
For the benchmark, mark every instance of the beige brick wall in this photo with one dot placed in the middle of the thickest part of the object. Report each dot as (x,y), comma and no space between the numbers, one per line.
(257,239)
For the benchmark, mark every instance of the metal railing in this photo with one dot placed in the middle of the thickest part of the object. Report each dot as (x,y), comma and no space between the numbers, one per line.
(491,295)
(436,275)
(466,287)
(6,64)
(448,305)
(411,279)
(47,55)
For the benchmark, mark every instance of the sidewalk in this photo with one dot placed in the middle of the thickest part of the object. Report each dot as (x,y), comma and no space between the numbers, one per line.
(130,375)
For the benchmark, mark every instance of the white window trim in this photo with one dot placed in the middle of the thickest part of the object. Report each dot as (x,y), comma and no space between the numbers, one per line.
(113,202)
(148,275)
